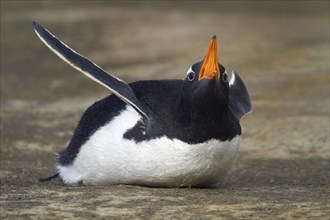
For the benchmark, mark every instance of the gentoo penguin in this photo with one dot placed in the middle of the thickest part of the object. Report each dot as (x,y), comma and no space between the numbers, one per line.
(172,133)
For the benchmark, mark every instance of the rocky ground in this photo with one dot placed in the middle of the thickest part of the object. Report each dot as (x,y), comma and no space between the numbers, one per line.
(280,49)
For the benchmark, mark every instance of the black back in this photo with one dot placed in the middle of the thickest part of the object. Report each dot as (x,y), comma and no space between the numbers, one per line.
(195,122)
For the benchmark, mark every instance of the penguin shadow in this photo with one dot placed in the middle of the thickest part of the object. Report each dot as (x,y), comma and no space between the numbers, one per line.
(251,173)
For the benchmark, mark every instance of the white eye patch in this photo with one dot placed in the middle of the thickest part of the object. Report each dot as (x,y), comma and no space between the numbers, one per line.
(232,80)
(189,71)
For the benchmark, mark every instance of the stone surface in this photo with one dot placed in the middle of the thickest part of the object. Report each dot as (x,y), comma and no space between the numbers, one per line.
(280,49)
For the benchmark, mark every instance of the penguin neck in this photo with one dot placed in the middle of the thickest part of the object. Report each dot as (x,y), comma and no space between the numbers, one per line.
(204,111)
(197,125)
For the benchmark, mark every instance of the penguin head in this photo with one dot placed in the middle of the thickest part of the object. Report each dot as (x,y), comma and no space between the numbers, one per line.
(206,85)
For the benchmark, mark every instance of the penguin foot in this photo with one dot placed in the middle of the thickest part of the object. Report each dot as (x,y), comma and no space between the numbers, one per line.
(49,178)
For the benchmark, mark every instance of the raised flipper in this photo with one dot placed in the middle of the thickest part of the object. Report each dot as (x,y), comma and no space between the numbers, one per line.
(239,99)
(90,69)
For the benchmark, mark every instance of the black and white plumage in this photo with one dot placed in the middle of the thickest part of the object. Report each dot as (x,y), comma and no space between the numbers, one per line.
(155,132)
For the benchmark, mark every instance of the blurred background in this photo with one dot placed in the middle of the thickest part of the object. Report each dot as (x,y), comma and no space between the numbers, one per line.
(279,48)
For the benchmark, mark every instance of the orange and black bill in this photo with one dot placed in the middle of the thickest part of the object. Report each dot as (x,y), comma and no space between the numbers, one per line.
(210,67)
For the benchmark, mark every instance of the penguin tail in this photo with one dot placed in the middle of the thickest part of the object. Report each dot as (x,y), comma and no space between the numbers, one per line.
(49,178)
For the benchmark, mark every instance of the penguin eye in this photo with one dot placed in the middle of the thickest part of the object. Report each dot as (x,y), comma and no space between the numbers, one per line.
(191,76)
(224,77)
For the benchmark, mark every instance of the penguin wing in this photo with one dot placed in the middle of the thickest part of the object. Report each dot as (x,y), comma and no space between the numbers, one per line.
(90,69)
(239,99)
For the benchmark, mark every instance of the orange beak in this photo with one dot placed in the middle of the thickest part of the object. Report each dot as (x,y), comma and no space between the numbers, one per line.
(210,67)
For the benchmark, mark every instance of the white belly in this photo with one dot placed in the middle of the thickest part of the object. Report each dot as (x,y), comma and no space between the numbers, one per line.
(107,158)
